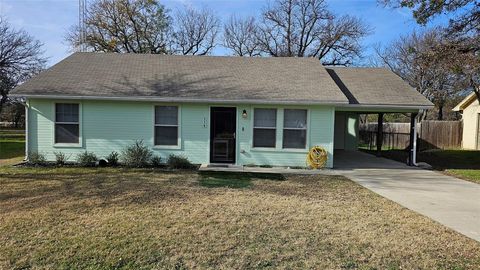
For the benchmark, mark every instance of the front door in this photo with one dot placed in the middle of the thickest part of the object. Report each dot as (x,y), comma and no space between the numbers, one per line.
(222,134)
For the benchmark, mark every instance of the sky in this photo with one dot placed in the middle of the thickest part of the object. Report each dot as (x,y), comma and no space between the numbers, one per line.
(48,20)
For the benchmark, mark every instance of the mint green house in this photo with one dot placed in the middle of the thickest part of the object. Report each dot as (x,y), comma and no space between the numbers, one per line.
(210,109)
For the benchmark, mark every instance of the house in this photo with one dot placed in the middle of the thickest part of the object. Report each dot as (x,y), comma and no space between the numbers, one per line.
(211,109)
(470,109)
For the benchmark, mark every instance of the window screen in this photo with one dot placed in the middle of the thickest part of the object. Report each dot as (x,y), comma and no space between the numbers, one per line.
(166,125)
(295,128)
(67,126)
(264,127)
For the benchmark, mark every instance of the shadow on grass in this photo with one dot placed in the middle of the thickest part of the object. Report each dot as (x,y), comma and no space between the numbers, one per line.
(11,149)
(98,189)
(234,179)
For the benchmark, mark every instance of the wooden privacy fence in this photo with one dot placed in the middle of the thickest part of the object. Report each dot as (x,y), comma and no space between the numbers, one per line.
(431,135)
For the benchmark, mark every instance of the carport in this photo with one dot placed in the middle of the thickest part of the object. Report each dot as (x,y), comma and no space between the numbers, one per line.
(372,91)
(353,160)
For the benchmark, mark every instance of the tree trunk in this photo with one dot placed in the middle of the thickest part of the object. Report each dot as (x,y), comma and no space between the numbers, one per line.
(440,112)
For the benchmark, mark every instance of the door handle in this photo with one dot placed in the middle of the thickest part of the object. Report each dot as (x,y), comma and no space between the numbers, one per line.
(234,135)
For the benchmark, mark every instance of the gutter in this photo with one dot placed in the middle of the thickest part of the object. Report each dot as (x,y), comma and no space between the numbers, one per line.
(386,106)
(186,100)
(337,103)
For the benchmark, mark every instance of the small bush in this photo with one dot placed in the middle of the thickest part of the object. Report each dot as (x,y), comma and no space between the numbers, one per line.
(112,158)
(136,155)
(178,162)
(36,158)
(60,158)
(156,161)
(86,159)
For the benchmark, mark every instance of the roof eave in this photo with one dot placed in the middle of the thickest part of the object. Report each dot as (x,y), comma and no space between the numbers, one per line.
(337,103)
(464,103)
(391,106)
(186,100)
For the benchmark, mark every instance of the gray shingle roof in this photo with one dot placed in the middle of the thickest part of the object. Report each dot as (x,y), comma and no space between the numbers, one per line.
(376,86)
(187,77)
(220,79)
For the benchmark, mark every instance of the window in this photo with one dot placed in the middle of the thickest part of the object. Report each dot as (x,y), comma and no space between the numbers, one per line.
(295,129)
(166,125)
(264,127)
(67,125)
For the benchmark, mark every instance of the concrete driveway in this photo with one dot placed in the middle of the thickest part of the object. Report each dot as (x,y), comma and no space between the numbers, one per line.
(448,200)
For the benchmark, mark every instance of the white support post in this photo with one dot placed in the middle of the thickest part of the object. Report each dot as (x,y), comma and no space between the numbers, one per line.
(414,154)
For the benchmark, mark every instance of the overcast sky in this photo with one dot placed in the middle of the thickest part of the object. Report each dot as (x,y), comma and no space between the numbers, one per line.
(47,20)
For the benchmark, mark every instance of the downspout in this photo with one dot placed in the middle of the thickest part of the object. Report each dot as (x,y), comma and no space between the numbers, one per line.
(417,120)
(27,105)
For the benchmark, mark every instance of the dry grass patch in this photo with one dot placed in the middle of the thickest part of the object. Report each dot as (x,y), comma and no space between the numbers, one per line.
(141,219)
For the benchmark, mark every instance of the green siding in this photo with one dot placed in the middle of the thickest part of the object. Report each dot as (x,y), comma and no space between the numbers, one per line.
(320,132)
(351,136)
(111,125)
(346,137)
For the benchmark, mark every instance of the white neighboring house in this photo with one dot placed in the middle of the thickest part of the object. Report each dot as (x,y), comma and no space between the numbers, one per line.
(470,109)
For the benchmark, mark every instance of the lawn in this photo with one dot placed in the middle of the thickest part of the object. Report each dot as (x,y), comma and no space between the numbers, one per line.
(464,164)
(12,146)
(72,218)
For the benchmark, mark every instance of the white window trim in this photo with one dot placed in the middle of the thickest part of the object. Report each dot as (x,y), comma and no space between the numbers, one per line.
(80,137)
(254,127)
(306,130)
(178,126)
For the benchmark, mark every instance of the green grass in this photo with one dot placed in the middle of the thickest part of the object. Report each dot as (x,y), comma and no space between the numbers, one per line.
(472,175)
(115,218)
(462,163)
(12,145)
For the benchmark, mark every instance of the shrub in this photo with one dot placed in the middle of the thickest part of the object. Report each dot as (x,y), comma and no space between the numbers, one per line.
(36,158)
(136,155)
(86,159)
(60,158)
(112,158)
(156,161)
(178,162)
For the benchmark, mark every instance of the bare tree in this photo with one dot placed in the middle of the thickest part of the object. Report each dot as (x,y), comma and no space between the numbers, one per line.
(460,56)
(241,36)
(130,26)
(459,51)
(21,57)
(412,58)
(196,31)
(306,28)
(13,112)
(339,43)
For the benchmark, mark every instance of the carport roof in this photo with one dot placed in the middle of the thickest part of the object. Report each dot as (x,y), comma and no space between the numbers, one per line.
(376,87)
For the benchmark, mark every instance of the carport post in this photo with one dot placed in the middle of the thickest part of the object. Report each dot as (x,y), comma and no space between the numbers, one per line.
(412,147)
(379,134)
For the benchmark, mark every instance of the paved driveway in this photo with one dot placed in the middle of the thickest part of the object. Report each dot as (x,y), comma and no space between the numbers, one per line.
(448,200)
